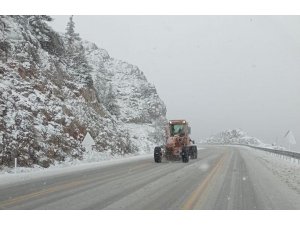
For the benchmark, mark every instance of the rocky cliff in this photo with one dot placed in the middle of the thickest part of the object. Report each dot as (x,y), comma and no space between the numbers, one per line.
(55,88)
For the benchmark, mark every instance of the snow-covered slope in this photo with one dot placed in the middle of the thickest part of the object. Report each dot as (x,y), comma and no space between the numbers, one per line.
(237,136)
(53,91)
(128,97)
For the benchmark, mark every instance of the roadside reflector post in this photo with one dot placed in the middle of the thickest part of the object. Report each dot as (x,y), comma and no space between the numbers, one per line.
(15,165)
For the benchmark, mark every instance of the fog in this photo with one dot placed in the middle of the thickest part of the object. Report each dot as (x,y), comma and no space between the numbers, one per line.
(218,72)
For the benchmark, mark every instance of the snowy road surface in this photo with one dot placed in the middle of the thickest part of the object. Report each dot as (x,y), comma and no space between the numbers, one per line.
(223,177)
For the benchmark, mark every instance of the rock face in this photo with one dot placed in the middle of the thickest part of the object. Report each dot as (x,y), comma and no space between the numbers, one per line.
(55,88)
(128,97)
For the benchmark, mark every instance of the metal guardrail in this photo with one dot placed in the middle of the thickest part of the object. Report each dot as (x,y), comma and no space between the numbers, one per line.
(294,155)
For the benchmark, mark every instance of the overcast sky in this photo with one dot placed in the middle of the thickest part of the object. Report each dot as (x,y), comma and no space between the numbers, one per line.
(218,72)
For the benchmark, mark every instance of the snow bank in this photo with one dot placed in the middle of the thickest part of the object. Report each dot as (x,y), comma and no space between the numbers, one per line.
(287,169)
(26,174)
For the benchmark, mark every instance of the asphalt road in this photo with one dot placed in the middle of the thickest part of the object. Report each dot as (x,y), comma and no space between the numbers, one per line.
(223,177)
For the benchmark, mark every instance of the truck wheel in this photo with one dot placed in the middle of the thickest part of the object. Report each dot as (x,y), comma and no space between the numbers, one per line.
(157,160)
(157,154)
(185,155)
(195,152)
(192,153)
(187,158)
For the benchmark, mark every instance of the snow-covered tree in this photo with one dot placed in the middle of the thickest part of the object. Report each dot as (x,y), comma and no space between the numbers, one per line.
(70,32)
(72,38)
(4,44)
(76,58)
(49,39)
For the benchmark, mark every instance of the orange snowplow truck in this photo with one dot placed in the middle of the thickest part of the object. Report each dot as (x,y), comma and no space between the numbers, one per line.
(178,144)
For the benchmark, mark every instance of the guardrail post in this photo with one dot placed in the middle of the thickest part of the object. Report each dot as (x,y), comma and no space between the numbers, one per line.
(16,163)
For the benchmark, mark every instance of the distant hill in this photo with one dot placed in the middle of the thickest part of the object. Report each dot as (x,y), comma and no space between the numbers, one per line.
(237,136)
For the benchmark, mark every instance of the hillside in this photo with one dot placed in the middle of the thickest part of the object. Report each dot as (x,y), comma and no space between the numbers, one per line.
(237,136)
(54,88)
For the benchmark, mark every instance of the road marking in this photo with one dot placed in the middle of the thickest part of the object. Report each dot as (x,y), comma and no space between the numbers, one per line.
(196,195)
(49,190)
(139,167)
(40,193)
(59,187)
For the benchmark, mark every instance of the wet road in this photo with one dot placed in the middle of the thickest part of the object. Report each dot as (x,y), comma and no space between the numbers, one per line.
(223,177)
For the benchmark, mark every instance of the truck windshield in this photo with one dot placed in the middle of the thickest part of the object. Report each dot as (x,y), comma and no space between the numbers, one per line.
(176,129)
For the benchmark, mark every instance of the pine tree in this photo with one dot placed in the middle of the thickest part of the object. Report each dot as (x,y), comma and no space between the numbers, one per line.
(76,58)
(48,38)
(70,32)
(4,44)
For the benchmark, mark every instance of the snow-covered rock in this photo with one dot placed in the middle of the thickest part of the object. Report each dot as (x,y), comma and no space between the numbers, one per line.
(52,91)
(234,136)
(237,136)
(128,97)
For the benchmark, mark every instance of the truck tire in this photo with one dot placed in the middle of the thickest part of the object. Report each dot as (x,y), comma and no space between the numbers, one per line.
(192,152)
(196,152)
(157,154)
(185,155)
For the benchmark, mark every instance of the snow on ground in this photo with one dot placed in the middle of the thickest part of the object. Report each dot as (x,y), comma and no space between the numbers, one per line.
(91,158)
(25,174)
(287,169)
(140,136)
(238,136)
